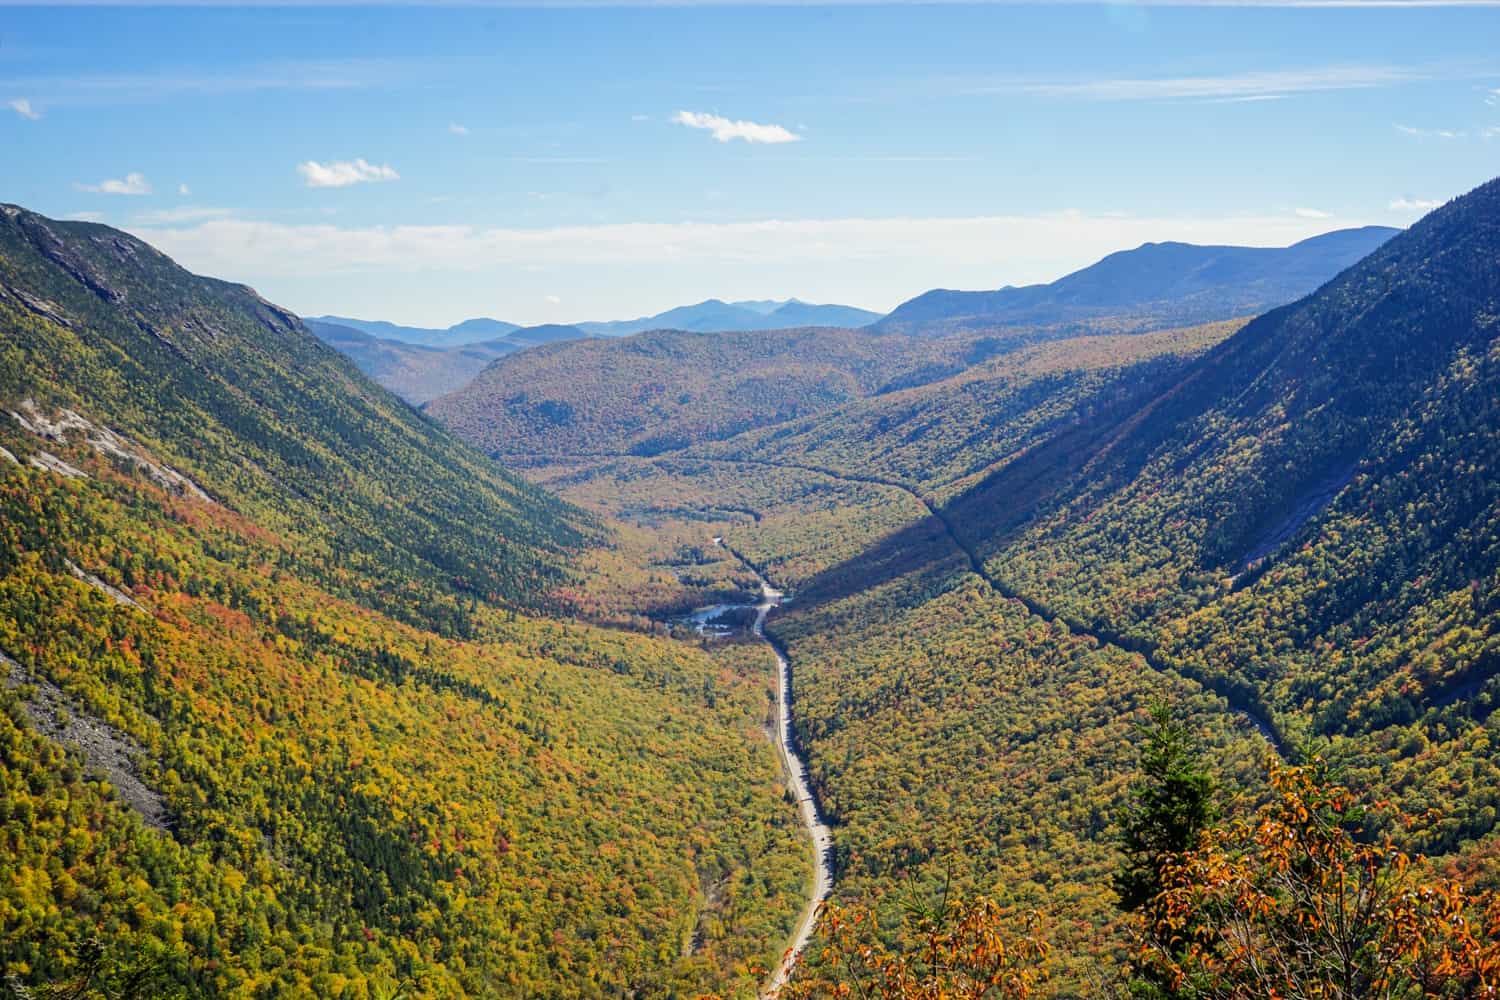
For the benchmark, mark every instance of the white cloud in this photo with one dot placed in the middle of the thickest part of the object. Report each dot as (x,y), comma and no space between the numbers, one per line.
(131,183)
(725,130)
(553,300)
(22,107)
(458,129)
(342,173)
(87,216)
(1026,244)
(1242,86)
(176,216)
(184,190)
(1431,133)
(424,273)
(1311,213)
(1414,204)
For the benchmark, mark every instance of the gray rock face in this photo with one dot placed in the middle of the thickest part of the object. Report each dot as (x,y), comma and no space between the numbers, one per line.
(106,751)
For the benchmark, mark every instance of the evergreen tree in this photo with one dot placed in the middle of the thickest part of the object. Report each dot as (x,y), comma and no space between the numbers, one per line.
(1171,802)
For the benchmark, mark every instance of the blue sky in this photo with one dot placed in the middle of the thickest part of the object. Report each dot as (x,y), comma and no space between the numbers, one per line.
(425,165)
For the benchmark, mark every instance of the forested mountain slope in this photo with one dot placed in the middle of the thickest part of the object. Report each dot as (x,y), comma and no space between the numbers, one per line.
(233,391)
(655,392)
(278,718)
(1154,286)
(1312,514)
(994,570)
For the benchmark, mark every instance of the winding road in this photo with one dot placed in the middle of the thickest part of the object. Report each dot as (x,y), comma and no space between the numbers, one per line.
(796,774)
(1253,713)
(807,807)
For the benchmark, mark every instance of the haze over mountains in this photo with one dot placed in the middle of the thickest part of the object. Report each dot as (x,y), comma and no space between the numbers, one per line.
(418,372)
(1151,287)
(707,316)
(713,315)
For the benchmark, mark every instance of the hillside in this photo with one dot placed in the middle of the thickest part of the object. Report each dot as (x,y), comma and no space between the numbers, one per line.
(1154,286)
(1290,526)
(659,391)
(1332,462)
(1303,519)
(281,713)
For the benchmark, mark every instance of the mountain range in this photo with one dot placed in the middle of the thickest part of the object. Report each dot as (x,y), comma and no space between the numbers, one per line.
(1288,528)
(714,315)
(708,316)
(1154,286)
(305,694)
(418,372)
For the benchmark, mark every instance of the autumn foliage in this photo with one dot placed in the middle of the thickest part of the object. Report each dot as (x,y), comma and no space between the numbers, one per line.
(961,950)
(1299,900)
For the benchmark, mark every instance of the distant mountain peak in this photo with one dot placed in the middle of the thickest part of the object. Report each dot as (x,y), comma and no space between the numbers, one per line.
(1154,286)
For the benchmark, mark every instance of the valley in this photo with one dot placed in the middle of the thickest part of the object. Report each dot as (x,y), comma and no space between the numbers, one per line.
(750,500)
(366,698)
(1004,528)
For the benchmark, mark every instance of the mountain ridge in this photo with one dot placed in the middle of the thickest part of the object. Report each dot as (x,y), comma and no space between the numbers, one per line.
(1152,286)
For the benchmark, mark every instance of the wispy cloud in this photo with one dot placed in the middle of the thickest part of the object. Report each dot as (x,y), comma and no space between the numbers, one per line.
(22,106)
(1246,99)
(1311,213)
(184,190)
(177,216)
(1268,85)
(1431,133)
(108,89)
(132,183)
(727,130)
(342,173)
(254,248)
(1404,204)
(457,129)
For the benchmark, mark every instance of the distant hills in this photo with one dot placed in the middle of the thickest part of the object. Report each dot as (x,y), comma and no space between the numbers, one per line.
(470,331)
(420,363)
(1154,286)
(418,372)
(709,316)
(662,390)
(717,316)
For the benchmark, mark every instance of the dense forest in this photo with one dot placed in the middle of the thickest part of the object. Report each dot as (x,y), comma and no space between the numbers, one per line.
(305,697)
(283,715)
(656,392)
(1286,526)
